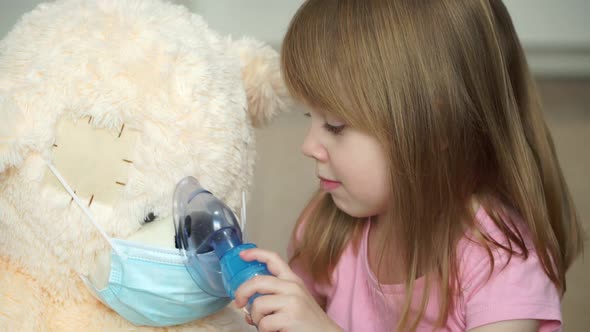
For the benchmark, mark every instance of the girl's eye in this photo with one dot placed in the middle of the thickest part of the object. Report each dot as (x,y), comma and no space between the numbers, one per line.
(334,129)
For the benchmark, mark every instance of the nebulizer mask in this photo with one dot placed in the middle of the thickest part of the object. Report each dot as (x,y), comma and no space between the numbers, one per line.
(208,233)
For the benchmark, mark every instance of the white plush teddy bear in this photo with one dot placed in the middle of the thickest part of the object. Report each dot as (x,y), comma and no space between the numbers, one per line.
(122,98)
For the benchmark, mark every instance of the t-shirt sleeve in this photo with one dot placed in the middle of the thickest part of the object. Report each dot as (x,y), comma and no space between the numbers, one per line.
(517,289)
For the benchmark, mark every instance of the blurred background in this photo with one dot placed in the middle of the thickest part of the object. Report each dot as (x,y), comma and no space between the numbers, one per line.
(556,38)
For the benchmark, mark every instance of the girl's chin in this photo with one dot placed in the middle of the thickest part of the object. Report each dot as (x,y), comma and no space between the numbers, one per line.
(355,212)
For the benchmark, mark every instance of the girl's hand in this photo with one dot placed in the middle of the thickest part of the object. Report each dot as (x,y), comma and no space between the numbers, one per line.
(287,306)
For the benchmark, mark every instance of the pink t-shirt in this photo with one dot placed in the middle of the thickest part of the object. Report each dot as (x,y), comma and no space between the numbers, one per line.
(521,290)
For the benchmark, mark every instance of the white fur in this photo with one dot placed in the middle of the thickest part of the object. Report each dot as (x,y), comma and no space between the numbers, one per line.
(191,97)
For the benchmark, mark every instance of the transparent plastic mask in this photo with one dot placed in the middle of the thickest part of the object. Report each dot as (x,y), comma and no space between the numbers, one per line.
(202,222)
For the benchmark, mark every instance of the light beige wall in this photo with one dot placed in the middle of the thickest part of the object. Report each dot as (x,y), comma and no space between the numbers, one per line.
(284,180)
(568,118)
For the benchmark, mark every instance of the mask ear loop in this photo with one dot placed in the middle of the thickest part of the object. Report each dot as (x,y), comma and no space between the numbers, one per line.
(243,227)
(83,207)
(243,216)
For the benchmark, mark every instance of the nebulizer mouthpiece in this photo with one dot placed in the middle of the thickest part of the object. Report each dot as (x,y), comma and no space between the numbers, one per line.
(209,233)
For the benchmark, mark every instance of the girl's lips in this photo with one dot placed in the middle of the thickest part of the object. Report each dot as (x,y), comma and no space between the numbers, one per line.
(328,185)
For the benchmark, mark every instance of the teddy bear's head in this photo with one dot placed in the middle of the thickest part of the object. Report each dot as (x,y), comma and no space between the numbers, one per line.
(124,99)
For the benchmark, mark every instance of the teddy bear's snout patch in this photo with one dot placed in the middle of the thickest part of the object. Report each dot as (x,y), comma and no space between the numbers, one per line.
(95,162)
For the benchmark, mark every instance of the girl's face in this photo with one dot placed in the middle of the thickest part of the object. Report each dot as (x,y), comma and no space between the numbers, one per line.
(350,164)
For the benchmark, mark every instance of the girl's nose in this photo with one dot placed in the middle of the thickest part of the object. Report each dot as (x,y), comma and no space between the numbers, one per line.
(313,148)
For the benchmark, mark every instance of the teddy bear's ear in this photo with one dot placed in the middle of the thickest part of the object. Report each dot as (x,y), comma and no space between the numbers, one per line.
(266,92)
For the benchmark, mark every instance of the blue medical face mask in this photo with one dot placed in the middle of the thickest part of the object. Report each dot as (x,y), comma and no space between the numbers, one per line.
(151,285)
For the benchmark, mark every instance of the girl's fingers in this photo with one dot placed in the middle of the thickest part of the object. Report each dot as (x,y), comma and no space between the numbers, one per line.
(261,285)
(273,261)
(272,323)
(267,305)
(248,319)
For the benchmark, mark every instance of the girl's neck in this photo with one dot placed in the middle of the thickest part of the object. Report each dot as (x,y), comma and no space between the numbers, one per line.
(392,269)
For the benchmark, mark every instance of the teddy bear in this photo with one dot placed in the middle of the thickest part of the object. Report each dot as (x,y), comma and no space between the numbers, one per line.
(104,106)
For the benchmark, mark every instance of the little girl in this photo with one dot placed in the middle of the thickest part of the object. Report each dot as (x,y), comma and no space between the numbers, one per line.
(442,205)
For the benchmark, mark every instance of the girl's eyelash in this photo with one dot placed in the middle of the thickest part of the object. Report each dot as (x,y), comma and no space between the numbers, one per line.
(330,128)
(334,129)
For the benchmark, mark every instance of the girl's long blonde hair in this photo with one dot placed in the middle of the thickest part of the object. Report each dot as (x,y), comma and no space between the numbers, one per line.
(445,86)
